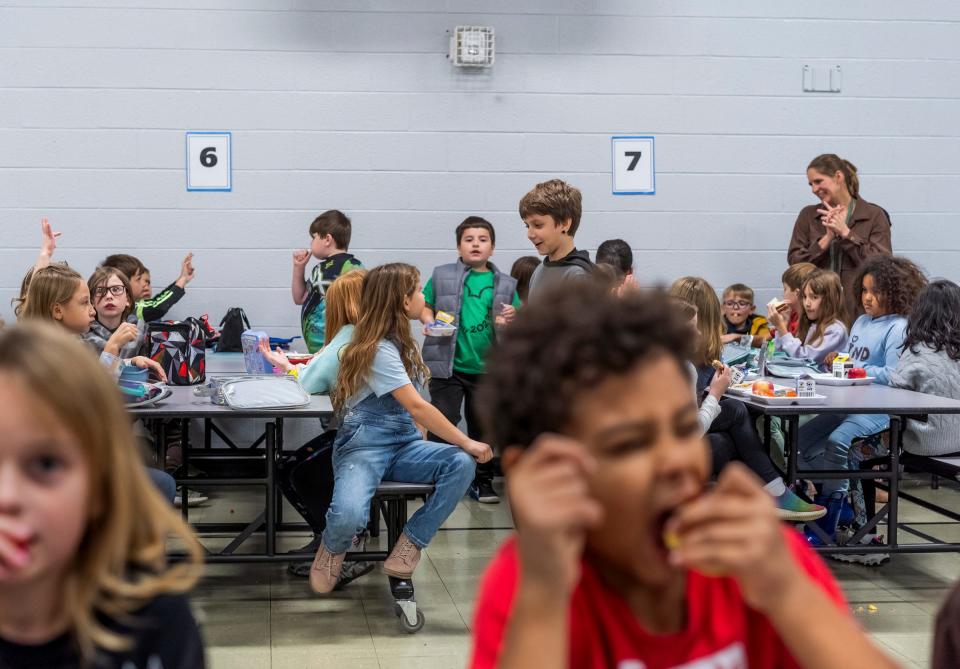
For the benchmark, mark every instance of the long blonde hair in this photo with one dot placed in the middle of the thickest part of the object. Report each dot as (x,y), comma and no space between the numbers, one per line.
(49,286)
(121,560)
(701,294)
(382,316)
(826,285)
(343,302)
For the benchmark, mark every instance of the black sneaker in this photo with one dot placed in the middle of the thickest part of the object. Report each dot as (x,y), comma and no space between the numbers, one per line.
(484,493)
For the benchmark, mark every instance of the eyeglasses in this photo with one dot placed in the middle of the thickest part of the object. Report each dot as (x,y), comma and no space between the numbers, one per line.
(736,304)
(100,291)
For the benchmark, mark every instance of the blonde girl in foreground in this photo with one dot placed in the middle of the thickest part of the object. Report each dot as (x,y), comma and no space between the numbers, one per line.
(84,578)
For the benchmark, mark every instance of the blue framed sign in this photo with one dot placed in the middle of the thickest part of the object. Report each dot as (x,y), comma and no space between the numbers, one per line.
(209,161)
(632,165)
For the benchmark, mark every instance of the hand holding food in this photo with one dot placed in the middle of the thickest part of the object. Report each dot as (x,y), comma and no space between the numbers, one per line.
(733,530)
(721,380)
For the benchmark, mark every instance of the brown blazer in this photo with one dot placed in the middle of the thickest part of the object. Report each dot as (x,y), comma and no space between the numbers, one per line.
(869,236)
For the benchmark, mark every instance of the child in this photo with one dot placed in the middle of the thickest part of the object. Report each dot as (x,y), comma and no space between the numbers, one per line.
(329,241)
(551,213)
(58,293)
(730,431)
(887,287)
(343,312)
(478,295)
(930,364)
(821,329)
(522,269)
(113,301)
(740,319)
(618,254)
(84,578)
(148,308)
(946,639)
(792,280)
(602,453)
(376,394)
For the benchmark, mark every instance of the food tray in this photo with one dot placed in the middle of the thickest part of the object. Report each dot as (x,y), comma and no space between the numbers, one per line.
(831,380)
(440,330)
(787,401)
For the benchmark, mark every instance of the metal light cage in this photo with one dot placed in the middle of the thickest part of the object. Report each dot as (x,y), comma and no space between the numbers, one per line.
(472,46)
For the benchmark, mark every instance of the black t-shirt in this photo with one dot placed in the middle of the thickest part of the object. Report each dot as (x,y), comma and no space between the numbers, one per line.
(164,635)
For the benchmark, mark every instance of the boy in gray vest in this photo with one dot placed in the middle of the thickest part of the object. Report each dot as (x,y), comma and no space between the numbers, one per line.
(479,297)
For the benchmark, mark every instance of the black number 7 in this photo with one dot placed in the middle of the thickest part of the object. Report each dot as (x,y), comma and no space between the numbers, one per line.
(636,159)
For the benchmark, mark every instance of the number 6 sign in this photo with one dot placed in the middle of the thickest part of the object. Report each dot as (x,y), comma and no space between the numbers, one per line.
(633,165)
(209,165)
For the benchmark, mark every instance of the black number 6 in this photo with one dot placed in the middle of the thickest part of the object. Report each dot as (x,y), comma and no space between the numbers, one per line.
(636,159)
(208,157)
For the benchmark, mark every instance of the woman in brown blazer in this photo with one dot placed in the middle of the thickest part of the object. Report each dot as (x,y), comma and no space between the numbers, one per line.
(843,230)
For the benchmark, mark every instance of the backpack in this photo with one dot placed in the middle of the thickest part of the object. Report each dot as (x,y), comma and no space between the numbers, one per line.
(179,348)
(232,326)
(306,479)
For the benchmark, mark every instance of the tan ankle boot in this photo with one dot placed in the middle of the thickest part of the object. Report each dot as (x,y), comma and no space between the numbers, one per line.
(403,559)
(325,571)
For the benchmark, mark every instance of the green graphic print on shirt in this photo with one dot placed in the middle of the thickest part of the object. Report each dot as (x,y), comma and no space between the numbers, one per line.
(475,325)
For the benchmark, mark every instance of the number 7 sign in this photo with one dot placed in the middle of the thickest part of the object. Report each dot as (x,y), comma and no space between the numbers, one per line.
(209,163)
(633,165)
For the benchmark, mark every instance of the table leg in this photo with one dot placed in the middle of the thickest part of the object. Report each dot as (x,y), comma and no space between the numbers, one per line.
(791,443)
(893,502)
(271,503)
(279,449)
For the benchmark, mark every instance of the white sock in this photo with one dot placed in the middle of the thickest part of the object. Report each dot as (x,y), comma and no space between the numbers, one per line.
(776,487)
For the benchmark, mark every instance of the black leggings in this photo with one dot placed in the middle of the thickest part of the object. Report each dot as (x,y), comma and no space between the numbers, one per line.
(733,436)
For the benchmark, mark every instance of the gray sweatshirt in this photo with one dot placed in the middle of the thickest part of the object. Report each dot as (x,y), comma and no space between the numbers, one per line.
(834,340)
(936,374)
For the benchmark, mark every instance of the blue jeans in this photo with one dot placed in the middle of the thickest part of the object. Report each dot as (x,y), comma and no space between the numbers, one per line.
(825,443)
(378,440)
(164,483)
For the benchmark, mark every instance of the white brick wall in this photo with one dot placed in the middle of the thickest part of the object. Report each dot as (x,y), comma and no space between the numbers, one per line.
(351,104)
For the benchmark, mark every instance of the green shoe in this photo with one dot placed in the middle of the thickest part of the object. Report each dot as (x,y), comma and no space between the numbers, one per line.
(792,508)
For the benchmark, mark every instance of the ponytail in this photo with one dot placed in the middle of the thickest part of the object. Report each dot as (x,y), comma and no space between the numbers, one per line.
(831,163)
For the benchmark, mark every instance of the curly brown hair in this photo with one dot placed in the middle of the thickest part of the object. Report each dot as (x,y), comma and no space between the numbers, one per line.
(565,343)
(897,280)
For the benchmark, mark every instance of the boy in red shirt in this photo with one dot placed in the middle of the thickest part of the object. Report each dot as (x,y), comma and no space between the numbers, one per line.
(621,558)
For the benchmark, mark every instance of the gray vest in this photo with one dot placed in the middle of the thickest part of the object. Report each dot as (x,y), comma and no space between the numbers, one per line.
(448,283)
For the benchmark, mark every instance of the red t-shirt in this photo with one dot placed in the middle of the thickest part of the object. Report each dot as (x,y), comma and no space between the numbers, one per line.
(722,632)
(794,324)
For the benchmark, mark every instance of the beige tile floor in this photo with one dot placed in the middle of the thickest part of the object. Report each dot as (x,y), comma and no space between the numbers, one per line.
(257,615)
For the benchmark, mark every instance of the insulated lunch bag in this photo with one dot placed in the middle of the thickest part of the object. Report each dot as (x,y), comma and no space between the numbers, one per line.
(179,348)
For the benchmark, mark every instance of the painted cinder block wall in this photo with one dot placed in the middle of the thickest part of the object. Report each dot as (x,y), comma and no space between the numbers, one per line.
(353,105)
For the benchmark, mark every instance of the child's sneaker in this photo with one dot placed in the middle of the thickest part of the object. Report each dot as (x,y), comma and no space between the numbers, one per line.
(484,493)
(325,571)
(791,507)
(866,559)
(403,559)
(194,498)
(828,523)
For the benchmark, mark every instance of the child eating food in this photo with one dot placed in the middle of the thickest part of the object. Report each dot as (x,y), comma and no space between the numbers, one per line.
(621,557)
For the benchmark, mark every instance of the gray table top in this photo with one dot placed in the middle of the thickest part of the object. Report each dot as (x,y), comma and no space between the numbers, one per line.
(184,404)
(874,399)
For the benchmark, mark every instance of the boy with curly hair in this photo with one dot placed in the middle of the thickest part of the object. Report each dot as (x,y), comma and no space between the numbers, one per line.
(886,287)
(622,558)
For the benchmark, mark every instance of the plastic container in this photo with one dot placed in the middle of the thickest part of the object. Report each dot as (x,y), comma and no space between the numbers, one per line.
(253,360)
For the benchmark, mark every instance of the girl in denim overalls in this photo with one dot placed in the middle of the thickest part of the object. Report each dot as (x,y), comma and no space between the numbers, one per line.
(381,435)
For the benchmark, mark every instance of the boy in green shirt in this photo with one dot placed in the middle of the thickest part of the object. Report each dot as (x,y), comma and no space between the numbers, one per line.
(479,297)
